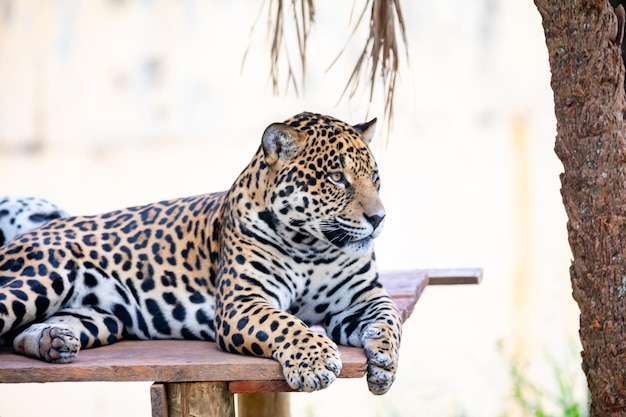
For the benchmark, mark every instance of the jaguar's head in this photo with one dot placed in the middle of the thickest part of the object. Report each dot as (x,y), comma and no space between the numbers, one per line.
(324,180)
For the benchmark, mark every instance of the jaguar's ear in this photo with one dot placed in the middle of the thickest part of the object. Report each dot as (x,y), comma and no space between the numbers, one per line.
(280,141)
(367,130)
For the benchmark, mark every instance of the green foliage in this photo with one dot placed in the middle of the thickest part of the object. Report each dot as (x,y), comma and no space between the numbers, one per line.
(532,400)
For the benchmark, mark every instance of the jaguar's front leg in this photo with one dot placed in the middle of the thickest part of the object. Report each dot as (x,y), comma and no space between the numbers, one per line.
(381,341)
(310,360)
(59,338)
(247,323)
(374,323)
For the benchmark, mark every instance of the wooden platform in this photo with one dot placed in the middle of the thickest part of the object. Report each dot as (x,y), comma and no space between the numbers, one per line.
(176,362)
(158,360)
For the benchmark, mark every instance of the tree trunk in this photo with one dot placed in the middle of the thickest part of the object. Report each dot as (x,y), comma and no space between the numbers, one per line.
(583,40)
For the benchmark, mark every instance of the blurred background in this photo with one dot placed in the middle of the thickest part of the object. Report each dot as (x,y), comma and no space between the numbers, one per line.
(111,103)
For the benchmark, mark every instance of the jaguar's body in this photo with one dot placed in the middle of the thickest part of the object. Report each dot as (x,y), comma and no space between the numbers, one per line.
(290,244)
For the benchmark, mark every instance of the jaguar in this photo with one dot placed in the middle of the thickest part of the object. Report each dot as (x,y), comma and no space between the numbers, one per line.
(288,246)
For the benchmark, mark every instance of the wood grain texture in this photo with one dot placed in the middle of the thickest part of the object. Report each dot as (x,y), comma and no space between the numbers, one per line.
(249,387)
(200,399)
(158,400)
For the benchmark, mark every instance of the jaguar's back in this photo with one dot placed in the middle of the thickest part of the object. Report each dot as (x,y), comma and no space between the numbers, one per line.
(142,265)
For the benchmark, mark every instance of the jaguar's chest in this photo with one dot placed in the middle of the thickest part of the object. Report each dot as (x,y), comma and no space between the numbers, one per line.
(310,290)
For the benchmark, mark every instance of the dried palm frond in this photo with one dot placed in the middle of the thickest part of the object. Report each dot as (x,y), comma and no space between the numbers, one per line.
(379,60)
(303,18)
(380,56)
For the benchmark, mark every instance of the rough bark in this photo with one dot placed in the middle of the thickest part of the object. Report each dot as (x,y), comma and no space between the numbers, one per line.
(583,40)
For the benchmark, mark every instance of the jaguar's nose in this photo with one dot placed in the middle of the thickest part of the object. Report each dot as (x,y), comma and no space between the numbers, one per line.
(375,220)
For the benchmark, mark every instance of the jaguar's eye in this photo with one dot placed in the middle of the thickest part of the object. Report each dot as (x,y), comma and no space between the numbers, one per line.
(338,178)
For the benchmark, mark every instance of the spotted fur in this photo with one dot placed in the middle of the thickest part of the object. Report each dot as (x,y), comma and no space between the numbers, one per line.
(20,214)
(288,246)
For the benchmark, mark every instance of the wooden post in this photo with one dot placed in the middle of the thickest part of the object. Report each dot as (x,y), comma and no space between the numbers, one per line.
(200,399)
(158,400)
(263,404)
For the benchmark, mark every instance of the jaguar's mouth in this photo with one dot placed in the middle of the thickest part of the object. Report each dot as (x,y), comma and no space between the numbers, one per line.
(341,238)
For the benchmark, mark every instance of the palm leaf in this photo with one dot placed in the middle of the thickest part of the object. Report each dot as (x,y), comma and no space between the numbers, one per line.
(379,60)
(303,18)
(377,64)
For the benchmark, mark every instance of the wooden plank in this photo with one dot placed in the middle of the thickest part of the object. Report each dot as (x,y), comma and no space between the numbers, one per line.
(405,288)
(158,400)
(158,360)
(459,276)
(248,387)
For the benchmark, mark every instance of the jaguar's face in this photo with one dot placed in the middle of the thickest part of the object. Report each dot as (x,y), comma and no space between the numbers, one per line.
(329,186)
